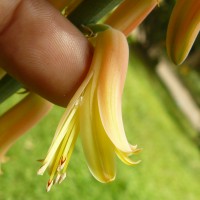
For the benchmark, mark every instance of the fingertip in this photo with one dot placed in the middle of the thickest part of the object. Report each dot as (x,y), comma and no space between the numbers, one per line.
(45,52)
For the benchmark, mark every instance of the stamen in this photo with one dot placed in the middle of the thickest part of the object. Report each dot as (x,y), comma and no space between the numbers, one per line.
(62,178)
(49,185)
(57,140)
(42,169)
(62,164)
(57,178)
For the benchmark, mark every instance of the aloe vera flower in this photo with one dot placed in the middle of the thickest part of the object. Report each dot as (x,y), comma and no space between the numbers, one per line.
(183,29)
(95,113)
(130,13)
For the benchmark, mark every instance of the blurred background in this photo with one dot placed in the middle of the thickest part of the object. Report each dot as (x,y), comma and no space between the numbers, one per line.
(161,112)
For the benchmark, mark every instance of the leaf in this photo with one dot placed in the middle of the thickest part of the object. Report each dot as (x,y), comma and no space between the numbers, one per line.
(8,86)
(90,11)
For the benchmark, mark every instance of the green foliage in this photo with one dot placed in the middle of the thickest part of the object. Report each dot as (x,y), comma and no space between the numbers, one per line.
(90,11)
(8,86)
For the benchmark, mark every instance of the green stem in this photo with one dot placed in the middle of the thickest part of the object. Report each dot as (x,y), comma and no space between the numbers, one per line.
(91,11)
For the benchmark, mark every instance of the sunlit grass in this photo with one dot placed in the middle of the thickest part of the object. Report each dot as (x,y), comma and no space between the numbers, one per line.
(170,167)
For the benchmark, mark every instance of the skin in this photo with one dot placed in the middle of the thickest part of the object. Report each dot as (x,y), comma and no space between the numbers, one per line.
(42,49)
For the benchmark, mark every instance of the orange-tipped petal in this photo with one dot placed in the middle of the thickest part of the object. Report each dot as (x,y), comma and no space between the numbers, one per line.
(183,28)
(130,14)
(110,86)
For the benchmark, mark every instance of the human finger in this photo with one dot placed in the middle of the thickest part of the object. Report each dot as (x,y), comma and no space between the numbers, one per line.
(42,49)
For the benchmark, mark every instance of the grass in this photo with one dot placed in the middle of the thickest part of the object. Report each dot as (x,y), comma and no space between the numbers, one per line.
(170,167)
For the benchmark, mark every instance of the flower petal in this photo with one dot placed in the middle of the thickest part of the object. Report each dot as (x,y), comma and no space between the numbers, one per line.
(125,158)
(130,14)
(99,151)
(110,86)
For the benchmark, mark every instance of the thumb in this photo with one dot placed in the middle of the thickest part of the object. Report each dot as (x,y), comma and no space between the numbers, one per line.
(42,49)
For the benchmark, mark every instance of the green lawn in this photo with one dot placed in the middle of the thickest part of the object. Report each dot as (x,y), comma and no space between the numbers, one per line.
(170,167)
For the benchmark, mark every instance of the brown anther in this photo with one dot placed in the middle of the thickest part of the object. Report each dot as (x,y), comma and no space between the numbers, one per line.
(49,185)
(62,164)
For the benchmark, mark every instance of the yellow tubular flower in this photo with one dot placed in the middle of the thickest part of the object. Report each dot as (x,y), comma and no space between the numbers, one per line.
(19,119)
(183,28)
(130,14)
(95,112)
